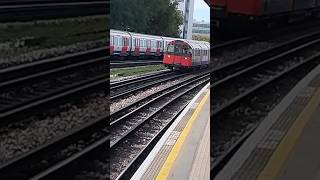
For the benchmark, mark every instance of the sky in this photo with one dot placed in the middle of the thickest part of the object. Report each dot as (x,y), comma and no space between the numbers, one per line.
(201,11)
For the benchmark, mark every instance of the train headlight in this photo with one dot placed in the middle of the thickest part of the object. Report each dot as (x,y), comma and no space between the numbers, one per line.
(168,56)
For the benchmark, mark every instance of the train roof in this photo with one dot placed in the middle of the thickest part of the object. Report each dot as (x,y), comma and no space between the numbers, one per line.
(119,32)
(196,44)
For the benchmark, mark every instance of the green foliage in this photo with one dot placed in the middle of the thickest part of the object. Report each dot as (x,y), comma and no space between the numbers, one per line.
(157,17)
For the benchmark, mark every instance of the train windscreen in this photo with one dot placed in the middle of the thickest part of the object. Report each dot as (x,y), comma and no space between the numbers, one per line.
(179,49)
(171,49)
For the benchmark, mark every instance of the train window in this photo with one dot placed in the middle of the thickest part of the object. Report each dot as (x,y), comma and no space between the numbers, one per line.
(170,48)
(178,49)
(153,44)
(185,50)
(116,41)
(119,41)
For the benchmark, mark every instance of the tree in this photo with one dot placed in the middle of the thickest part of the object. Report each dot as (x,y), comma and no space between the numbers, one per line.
(156,17)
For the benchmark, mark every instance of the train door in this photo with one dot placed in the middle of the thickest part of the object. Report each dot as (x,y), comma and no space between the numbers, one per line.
(153,47)
(133,46)
(141,45)
(148,46)
(124,49)
(159,48)
(137,47)
(116,41)
(178,52)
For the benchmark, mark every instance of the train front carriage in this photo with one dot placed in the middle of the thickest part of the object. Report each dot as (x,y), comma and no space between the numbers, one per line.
(184,54)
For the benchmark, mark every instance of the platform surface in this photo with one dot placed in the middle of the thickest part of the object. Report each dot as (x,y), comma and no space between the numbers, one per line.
(184,150)
(304,160)
(286,145)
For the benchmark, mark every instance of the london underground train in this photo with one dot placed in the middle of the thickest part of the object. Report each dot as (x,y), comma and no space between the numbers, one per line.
(140,46)
(185,54)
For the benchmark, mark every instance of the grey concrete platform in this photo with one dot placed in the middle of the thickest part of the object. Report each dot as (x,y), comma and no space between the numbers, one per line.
(304,160)
(286,145)
(184,150)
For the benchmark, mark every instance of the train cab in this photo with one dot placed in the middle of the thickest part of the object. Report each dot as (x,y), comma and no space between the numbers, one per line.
(182,54)
(178,55)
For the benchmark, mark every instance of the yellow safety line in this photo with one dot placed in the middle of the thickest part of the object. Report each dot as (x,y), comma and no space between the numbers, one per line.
(165,170)
(289,141)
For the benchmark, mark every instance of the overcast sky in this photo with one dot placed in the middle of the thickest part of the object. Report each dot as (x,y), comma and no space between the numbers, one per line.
(201,11)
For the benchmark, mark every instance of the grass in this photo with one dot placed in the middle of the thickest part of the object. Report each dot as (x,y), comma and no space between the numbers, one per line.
(21,37)
(124,72)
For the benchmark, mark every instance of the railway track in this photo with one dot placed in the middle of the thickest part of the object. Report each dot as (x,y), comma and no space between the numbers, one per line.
(93,160)
(242,87)
(128,88)
(138,126)
(25,10)
(87,141)
(229,51)
(92,138)
(28,88)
